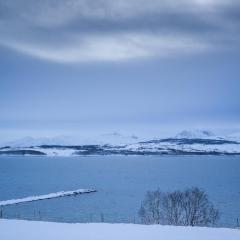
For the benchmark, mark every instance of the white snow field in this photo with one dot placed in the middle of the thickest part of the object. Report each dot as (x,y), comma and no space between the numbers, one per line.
(29,230)
(46,196)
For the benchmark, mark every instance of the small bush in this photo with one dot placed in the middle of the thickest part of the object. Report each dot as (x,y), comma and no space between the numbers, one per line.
(184,208)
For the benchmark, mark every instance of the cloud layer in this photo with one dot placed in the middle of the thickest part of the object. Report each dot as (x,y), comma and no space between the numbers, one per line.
(105,30)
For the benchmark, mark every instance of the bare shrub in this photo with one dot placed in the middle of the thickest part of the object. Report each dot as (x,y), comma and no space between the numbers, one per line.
(185,208)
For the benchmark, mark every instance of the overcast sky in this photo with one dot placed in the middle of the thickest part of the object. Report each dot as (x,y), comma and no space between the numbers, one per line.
(144,66)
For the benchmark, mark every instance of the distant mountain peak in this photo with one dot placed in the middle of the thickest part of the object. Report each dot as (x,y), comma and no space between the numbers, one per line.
(107,138)
(117,138)
(202,134)
(31,141)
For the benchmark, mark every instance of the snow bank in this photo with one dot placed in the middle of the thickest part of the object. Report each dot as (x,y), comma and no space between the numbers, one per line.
(46,196)
(29,230)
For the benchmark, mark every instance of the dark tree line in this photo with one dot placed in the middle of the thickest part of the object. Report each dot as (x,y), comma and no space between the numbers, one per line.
(185,208)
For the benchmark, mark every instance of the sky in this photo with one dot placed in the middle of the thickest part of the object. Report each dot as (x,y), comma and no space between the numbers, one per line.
(78,67)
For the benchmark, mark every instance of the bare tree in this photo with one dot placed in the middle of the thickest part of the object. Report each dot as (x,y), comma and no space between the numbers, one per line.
(187,208)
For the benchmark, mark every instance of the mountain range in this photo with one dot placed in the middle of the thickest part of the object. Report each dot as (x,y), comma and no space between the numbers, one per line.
(196,142)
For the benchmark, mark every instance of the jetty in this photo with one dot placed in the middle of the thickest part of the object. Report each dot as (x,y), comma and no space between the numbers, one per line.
(46,196)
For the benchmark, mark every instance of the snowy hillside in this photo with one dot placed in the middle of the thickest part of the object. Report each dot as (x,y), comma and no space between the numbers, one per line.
(31,142)
(187,142)
(200,134)
(106,138)
(29,230)
(116,138)
(234,136)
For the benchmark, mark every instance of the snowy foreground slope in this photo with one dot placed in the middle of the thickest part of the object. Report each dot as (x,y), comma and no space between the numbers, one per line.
(29,230)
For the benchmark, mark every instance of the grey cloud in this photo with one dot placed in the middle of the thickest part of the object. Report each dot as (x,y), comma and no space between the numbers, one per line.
(39,27)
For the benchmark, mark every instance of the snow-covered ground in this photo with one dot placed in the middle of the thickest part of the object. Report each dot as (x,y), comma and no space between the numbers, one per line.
(29,230)
(46,196)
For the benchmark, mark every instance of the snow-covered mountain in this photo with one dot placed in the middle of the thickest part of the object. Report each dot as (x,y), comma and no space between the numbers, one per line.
(116,138)
(106,138)
(234,136)
(187,142)
(32,142)
(197,134)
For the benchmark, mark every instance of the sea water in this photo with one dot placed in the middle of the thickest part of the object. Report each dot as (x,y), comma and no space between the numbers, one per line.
(121,183)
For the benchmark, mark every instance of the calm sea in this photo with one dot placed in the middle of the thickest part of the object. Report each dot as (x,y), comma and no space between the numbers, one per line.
(121,183)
